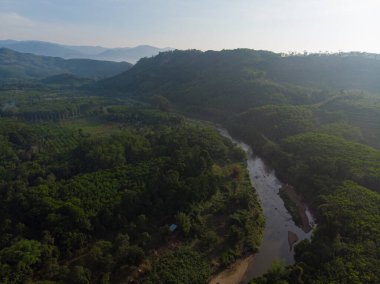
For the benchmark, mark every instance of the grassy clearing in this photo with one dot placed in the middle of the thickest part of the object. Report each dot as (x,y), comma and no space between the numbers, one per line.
(91,125)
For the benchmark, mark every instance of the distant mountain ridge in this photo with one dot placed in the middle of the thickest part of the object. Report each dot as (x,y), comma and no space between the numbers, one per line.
(190,68)
(132,53)
(16,66)
(128,54)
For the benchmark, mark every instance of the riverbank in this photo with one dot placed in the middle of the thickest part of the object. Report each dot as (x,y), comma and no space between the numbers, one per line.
(296,207)
(281,232)
(234,274)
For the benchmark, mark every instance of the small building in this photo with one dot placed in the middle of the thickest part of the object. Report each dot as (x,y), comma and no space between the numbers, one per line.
(172,227)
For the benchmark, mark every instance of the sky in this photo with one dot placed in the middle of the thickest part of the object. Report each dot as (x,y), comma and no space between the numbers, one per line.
(277,25)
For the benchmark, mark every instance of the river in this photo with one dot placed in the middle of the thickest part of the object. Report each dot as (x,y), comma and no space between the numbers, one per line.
(279,223)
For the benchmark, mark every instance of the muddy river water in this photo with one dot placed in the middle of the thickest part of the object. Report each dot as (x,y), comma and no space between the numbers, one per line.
(279,228)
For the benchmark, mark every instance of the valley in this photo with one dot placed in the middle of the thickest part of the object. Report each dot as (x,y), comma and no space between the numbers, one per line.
(95,172)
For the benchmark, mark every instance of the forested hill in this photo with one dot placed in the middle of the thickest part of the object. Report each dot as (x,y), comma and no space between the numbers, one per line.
(348,71)
(246,72)
(339,88)
(315,118)
(23,66)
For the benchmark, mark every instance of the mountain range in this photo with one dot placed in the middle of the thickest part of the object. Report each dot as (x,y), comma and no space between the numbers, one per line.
(16,67)
(128,54)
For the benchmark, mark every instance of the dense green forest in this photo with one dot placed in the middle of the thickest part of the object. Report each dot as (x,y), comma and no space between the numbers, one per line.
(234,80)
(90,197)
(94,173)
(314,118)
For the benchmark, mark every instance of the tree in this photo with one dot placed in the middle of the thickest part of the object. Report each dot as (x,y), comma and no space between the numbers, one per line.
(184,222)
(19,260)
(162,103)
(79,275)
(182,266)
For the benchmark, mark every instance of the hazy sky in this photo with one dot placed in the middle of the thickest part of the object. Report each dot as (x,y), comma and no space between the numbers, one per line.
(278,25)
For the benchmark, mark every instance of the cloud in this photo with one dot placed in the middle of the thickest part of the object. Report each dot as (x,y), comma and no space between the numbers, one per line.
(14,20)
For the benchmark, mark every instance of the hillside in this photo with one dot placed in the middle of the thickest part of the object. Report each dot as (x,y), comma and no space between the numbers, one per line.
(238,79)
(234,81)
(227,80)
(23,66)
(65,80)
(314,118)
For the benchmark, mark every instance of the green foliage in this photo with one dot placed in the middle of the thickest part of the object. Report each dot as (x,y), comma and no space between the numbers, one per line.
(85,208)
(79,275)
(291,206)
(343,130)
(274,275)
(359,110)
(277,122)
(100,154)
(329,155)
(205,81)
(19,260)
(345,248)
(316,137)
(99,197)
(184,222)
(182,266)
